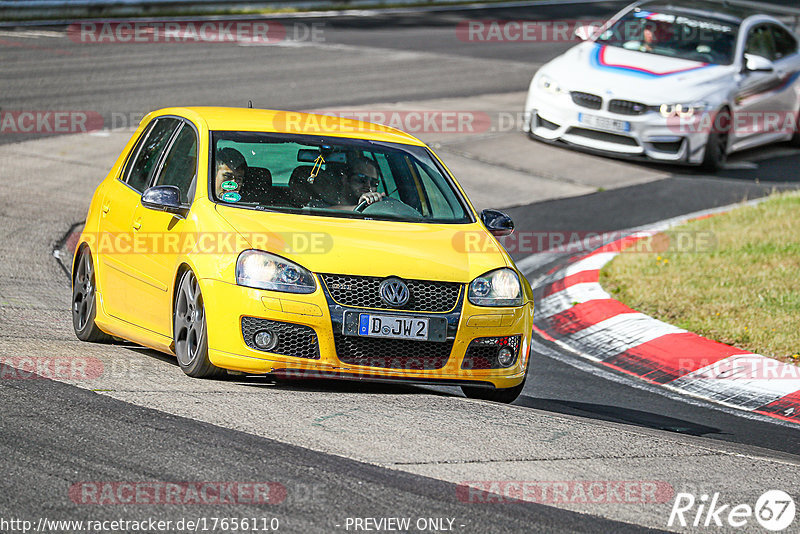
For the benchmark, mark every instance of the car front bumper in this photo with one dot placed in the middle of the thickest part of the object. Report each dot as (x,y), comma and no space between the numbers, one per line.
(232,311)
(647,136)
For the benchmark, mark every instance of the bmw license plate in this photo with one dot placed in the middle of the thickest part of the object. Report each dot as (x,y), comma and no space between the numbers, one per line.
(392,326)
(604,123)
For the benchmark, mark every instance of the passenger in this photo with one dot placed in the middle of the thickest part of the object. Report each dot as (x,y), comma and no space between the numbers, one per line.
(230,171)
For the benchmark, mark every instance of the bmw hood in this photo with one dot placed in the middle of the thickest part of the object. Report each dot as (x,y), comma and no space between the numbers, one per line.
(614,72)
(445,252)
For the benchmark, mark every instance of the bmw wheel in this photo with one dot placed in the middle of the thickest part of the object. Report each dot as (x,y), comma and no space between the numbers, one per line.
(84,303)
(717,142)
(189,330)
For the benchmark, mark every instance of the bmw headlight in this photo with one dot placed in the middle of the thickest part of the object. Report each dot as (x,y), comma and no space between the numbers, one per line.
(549,84)
(263,270)
(496,288)
(684,111)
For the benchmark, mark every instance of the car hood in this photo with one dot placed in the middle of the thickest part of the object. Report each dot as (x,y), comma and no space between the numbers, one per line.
(369,247)
(614,72)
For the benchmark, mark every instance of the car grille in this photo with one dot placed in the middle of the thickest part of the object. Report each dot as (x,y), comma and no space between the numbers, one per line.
(626,107)
(362,292)
(587,100)
(392,353)
(295,340)
(482,352)
(604,136)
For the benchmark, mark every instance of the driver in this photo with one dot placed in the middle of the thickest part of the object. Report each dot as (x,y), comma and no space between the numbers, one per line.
(358,186)
(361,184)
(230,171)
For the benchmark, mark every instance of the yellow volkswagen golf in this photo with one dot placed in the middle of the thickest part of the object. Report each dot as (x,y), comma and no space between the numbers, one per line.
(300,245)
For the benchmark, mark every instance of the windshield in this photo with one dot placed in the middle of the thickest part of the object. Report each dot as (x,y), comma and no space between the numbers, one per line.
(332,177)
(674,35)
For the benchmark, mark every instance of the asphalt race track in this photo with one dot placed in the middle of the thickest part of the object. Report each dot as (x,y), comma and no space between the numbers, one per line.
(342,450)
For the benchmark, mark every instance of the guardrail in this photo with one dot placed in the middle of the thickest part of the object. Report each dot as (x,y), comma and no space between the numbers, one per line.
(55,10)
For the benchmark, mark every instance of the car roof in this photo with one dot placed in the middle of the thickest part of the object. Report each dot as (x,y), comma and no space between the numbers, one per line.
(293,122)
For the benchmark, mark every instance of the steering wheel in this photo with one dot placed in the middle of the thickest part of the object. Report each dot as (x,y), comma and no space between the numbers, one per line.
(363,205)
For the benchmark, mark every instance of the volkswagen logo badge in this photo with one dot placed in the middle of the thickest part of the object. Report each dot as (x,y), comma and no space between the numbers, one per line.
(394,292)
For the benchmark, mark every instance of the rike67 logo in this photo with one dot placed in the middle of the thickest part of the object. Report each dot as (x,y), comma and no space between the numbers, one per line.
(774,510)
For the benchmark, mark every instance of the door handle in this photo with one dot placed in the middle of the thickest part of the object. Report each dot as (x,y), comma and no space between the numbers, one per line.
(137,225)
(106,207)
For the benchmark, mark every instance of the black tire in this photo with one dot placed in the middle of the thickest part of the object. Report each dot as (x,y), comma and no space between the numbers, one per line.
(504,395)
(84,302)
(795,140)
(717,143)
(189,330)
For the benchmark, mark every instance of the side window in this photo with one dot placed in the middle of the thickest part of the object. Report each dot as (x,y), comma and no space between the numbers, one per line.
(759,43)
(132,156)
(785,43)
(180,164)
(150,152)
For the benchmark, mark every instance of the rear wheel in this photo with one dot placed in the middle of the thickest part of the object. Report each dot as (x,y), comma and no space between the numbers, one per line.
(717,143)
(84,303)
(189,330)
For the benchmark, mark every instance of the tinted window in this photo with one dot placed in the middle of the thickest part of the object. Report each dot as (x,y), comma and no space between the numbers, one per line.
(759,43)
(180,164)
(329,176)
(785,44)
(145,164)
(674,34)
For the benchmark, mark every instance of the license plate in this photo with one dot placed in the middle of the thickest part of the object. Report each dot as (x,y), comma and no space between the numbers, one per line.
(416,328)
(392,326)
(604,123)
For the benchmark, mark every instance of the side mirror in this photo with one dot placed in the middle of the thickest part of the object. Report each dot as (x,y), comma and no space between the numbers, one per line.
(164,198)
(498,223)
(754,63)
(584,32)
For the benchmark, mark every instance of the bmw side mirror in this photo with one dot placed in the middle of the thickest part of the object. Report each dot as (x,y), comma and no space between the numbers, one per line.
(498,223)
(584,32)
(754,63)
(164,198)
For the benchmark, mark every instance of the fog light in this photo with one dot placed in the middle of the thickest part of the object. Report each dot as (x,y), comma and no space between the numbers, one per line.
(505,356)
(265,339)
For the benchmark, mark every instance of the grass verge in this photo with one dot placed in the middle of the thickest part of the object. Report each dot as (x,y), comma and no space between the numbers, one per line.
(734,278)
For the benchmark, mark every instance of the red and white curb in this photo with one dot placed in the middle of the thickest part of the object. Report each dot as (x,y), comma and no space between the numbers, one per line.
(574,311)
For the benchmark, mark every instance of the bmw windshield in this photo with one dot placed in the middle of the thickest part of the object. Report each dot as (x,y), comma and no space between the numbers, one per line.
(332,176)
(675,35)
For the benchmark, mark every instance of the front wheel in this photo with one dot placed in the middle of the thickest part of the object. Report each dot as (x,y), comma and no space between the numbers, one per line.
(717,143)
(189,330)
(504,395)
(84,302)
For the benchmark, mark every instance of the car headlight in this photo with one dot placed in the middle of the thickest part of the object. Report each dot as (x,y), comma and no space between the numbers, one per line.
(684,111)
(550,85)
(496,288)
(263,270)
